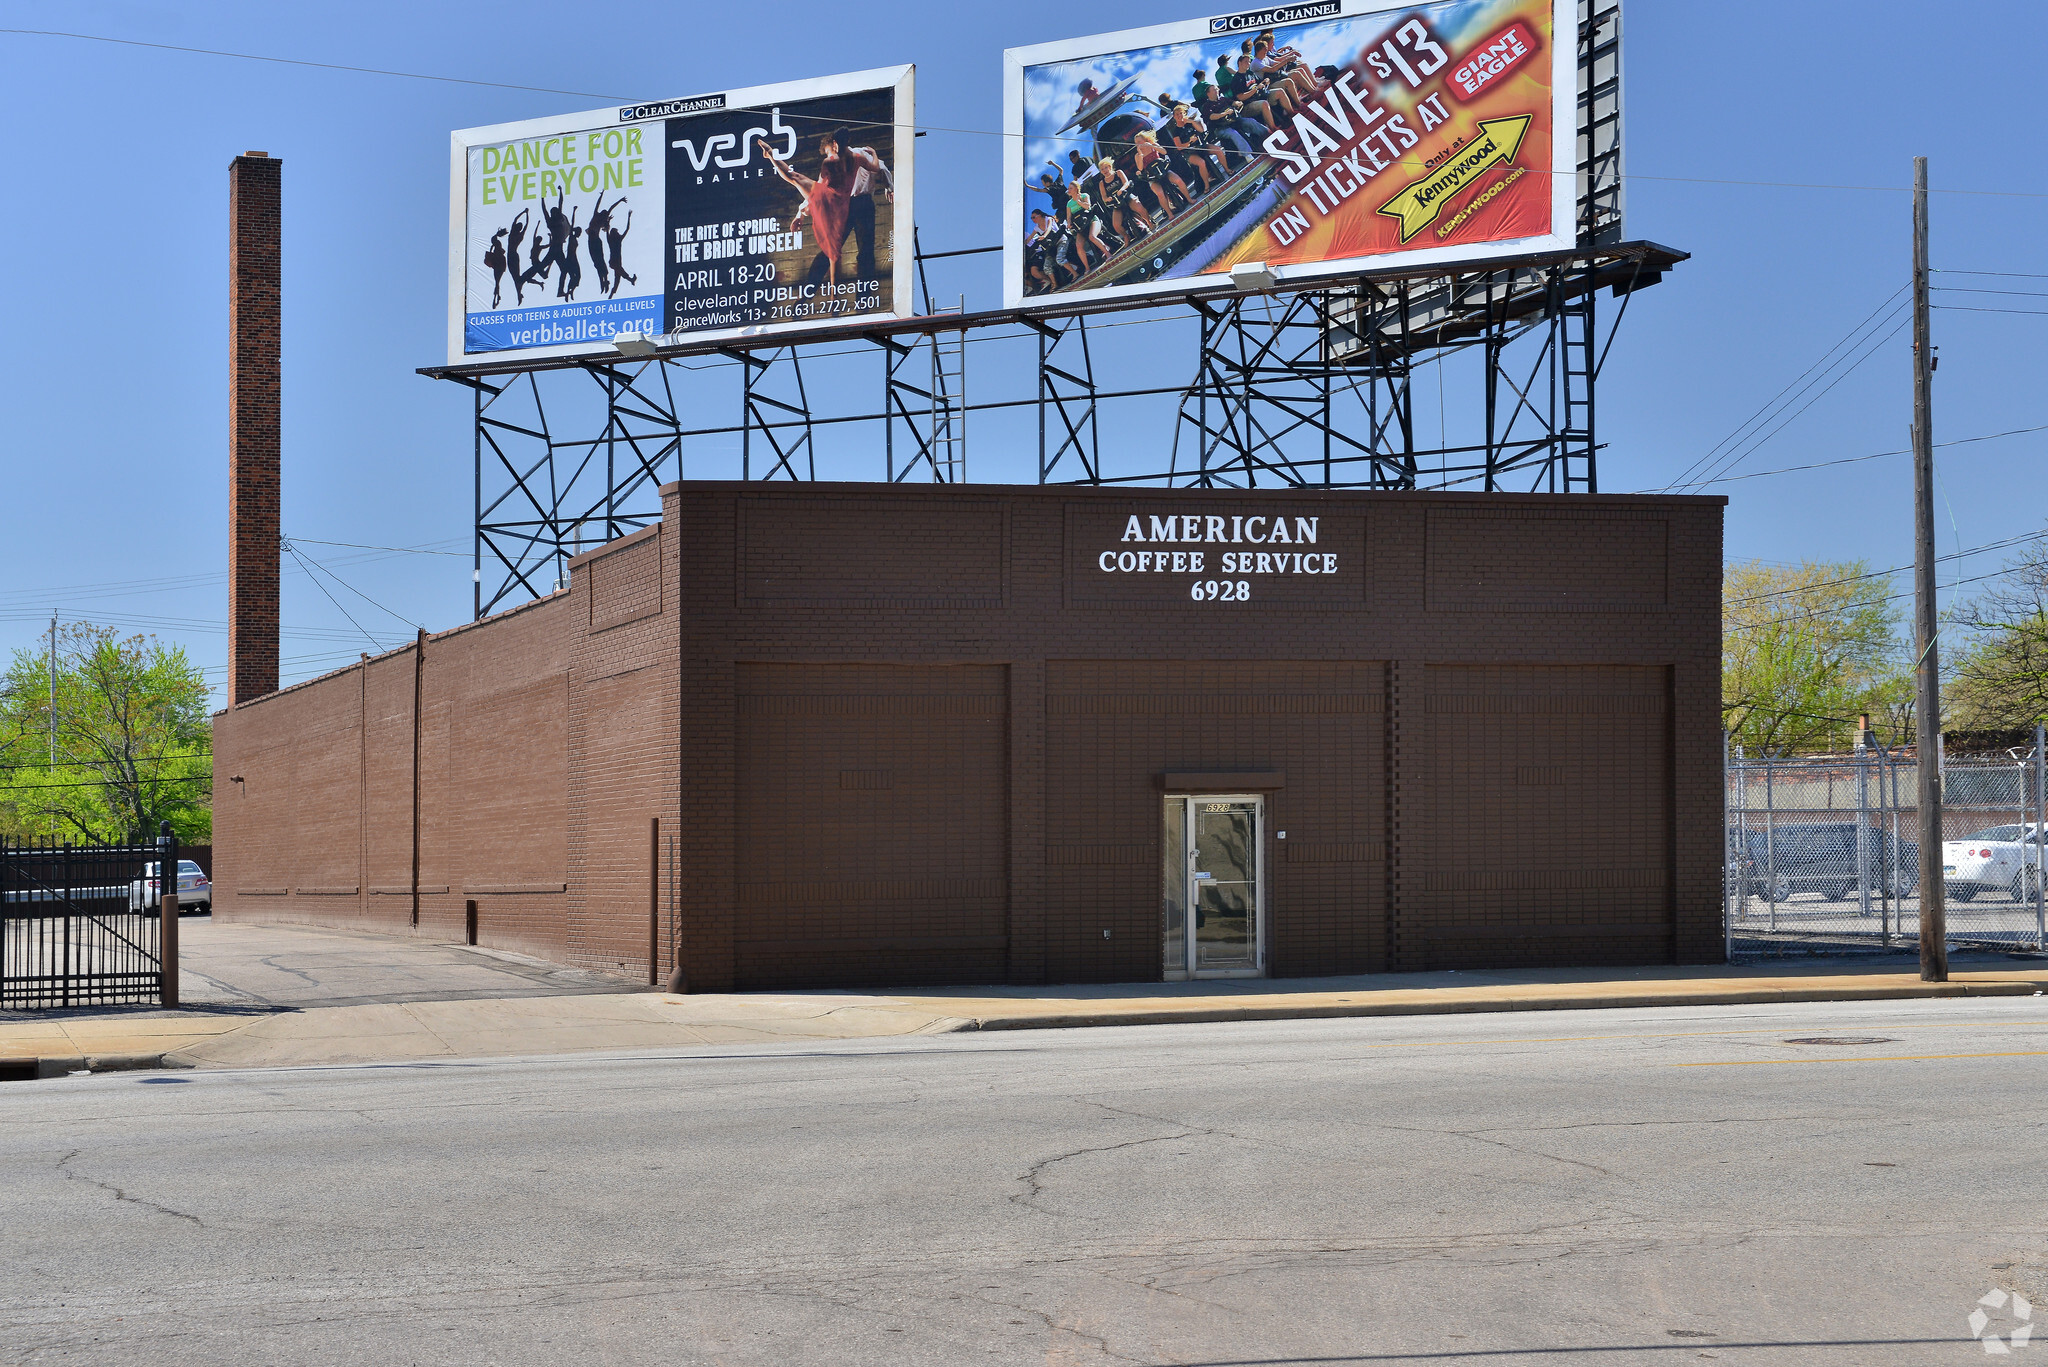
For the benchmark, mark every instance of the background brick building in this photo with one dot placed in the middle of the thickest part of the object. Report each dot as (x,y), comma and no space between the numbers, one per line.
(918,735)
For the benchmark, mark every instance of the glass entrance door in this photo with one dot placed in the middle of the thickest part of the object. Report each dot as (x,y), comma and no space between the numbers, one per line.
(1213,882)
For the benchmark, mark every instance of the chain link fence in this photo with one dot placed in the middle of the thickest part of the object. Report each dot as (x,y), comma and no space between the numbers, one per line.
(1823,852)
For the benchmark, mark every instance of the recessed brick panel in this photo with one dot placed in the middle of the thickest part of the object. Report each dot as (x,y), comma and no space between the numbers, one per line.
(1491,560)
(625,584)
(903,552)
(878,829)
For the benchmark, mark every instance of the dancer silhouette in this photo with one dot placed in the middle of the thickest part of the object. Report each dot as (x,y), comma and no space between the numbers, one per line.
(494,257)
(572,265)
(512,240)
(558,231)
(615,239)
(535,267)
(601,219)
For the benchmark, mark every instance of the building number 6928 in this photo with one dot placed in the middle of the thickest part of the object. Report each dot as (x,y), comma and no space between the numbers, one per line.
(1220,590)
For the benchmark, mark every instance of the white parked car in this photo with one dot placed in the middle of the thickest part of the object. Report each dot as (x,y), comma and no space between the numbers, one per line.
(195,893)
(2001,859)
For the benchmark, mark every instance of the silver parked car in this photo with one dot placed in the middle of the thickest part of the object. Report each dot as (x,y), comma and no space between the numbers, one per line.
(195,891)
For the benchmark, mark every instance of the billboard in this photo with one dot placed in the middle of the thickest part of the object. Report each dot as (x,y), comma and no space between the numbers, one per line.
(1321,138)
(770,209)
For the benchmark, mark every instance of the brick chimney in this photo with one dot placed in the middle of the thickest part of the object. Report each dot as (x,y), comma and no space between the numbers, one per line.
(254,347)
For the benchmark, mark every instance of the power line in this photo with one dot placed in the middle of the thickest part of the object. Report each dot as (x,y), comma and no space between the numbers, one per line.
(307,559)
(1810,614)
(45,787)
(1976,289)
(1851,460)
(286,546)
(1758,443)
(119,588)
(401,550)
(296,61)
(1886,307)
(1879,574)
(210,626)
(102,763)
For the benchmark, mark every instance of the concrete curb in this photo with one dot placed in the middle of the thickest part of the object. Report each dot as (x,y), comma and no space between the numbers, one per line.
(63,1065)
(1328,1011)
(909,1016)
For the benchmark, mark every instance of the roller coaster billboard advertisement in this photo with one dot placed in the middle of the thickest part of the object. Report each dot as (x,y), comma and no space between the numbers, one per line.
(736,214)
(1321,138)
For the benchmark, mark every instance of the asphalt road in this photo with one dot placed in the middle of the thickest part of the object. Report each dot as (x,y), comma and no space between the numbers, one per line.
(1601,1187)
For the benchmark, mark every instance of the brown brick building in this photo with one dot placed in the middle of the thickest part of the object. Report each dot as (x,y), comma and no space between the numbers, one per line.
(918,735)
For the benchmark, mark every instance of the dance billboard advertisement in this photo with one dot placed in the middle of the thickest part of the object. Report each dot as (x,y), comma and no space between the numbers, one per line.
(771,209)
(1323,138)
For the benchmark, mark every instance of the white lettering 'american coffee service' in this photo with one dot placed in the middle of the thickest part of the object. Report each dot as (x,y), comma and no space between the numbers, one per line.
(1183,529)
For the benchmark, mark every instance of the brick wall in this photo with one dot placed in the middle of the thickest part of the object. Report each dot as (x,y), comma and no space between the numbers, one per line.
(918,735)
(319,829)
(255,345)
(1493,715)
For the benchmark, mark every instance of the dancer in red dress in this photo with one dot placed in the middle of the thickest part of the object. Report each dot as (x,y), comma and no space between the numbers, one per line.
(828,196)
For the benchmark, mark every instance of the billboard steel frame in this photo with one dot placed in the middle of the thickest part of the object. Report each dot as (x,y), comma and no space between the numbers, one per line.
(1309,387)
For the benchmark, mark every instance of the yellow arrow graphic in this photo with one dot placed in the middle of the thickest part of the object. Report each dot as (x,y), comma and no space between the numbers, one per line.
(1418,205)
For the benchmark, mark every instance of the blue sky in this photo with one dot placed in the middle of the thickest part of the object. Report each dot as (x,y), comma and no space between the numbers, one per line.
(114,334)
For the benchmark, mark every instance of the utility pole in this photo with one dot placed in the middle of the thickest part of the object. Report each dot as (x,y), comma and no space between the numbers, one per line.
(53,690)
(1927,669)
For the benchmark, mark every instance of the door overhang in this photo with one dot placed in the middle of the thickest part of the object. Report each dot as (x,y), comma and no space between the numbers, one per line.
(1209,781)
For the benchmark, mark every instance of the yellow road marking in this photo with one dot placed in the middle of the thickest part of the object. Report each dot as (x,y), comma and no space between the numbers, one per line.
(1858,1058)
(1695,1034)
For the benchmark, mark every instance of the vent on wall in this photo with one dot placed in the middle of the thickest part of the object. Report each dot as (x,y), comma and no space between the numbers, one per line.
(867,778)
(1540,775)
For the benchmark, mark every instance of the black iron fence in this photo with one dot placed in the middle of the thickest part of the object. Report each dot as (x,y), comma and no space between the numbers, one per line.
(80,925)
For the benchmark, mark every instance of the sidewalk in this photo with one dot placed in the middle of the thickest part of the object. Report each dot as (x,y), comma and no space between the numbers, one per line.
(542,1025)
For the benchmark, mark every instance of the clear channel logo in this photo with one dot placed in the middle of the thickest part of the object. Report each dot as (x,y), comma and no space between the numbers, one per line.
(2018,1311)
(1279,14)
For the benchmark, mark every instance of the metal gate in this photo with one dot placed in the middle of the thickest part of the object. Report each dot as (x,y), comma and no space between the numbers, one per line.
(80,925)
(1823,851)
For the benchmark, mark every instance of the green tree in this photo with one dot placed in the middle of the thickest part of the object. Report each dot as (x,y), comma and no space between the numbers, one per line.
(1998,680)
(133,741)
(1805,650)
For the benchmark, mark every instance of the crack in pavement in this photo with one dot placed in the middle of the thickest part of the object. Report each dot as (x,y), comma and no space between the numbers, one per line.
(118,1194)
(1262,1142)
(1045,1318)
(1479,1136)
(1633,1124)
(1035,1187)
(271,961)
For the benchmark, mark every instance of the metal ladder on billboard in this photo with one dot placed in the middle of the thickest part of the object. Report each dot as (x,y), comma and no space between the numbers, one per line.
(949,402)
(1576,367)
(1600,218)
